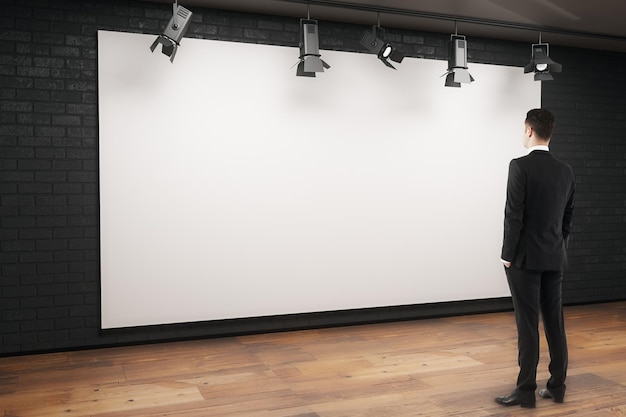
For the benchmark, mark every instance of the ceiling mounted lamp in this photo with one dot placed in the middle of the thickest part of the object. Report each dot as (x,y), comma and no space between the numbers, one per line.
(457,73)
(174,32)
(541,63)
(310,58)
(384,50)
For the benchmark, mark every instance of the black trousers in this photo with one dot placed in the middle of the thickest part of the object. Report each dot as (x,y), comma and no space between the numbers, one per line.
(534,292)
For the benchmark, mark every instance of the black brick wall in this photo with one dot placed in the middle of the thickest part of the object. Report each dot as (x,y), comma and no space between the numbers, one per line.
(49,228)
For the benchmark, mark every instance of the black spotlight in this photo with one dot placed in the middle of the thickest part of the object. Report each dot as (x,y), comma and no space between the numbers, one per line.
(310,58)
(457,62)
(541,63)
(174,32)
(384,50)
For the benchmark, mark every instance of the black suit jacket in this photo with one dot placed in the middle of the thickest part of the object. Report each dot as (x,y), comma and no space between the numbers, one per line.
(538,212)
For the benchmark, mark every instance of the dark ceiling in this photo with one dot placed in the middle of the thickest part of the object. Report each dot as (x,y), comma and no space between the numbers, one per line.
(599,24)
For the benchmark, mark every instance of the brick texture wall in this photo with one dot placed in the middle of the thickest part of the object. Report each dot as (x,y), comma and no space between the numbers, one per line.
(49,225)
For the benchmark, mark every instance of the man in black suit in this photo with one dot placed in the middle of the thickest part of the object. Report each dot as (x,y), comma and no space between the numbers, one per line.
(537,223)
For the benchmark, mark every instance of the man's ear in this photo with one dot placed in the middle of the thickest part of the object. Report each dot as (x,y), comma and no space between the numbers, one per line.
(529,131)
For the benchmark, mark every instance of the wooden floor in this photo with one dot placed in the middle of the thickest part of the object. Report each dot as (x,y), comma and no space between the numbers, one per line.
(436,367)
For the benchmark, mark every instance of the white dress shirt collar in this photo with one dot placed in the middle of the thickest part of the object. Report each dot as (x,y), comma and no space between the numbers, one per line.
(539,148)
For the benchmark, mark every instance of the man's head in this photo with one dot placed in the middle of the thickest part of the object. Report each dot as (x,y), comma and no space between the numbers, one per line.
(539,124)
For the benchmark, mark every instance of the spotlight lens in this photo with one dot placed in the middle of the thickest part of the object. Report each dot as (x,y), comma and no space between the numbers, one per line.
(386,51)
(541,67)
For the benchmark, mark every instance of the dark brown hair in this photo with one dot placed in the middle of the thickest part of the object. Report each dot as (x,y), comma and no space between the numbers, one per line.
(541,121)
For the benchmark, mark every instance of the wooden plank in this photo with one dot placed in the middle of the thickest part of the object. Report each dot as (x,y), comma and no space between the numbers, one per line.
(85,401)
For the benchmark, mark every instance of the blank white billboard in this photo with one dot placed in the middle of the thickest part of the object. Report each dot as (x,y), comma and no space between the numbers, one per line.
(231,188)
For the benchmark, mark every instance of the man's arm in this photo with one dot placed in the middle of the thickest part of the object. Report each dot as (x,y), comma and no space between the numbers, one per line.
(569,212)
(513,212)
